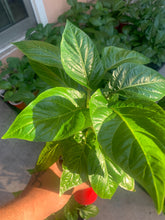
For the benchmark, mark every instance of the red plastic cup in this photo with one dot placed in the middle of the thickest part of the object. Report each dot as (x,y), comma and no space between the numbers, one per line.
(85,196)
(19,105)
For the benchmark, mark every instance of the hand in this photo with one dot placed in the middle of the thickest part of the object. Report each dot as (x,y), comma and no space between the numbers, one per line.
(50,180)
(41,197)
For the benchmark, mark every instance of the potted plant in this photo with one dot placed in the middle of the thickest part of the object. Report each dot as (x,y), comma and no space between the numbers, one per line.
(136,25)
(19,83)
(101,116)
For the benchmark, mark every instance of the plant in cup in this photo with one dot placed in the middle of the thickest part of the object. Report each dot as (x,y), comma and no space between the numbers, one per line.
(101,116)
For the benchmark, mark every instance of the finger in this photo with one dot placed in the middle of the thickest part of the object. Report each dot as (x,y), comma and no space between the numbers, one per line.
(57,168)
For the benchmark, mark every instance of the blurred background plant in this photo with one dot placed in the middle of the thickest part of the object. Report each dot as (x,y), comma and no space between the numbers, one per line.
(19,82)
(137,25)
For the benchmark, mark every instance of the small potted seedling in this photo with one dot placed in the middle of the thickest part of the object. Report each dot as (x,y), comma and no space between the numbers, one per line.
(19,83)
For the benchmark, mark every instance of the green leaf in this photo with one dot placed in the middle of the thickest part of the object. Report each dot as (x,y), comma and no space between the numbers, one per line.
(56,114)
(41,52)
(99,110)
(112,57)
(103,174)
(49,155)
(70,210)
(127,183)
(71,215)
(135,80)
(160,37)
(80,58)
(8,95)
(74,165)
(20,95)
(55,77)
(72,2)
(133,136)
(5,85)
(88,211)
(96,21)
(69,180)
(13,63)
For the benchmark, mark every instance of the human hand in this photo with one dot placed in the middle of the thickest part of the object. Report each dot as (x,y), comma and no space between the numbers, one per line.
(50,180)
(40,198)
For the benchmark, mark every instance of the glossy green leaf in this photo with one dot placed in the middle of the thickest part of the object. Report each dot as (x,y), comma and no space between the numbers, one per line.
(69,180)
(116,174)
(133,136)
(127,183)
(99,110)
(103,175)
(54,115)
(49,155)
(88,211)
(135,80)
(80,58)
(74,165)
(55,77)
(41,52)
(112,57)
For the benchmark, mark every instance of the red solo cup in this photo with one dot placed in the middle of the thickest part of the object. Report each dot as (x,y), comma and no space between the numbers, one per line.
(85,196)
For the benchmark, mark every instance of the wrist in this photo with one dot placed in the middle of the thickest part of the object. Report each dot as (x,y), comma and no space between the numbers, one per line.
(44,202)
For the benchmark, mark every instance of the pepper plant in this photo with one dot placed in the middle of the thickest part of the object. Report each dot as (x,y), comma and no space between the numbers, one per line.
(137,25)
(101,116)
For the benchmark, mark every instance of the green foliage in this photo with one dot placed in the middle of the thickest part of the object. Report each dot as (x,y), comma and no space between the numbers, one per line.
(58,108)
(83,63)
(72,210)
(55,77)
(146,29)
(89,211)
(109,130)
(137,25)
(131,135)
(49,33)
(19,81)
(49,54)
(112,57)
(74,165)
(119,82)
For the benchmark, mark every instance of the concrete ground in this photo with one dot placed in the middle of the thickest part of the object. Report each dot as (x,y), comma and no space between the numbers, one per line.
(16,156)
(162,71)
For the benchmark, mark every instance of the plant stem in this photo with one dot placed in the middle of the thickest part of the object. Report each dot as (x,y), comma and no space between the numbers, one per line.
(88,97)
